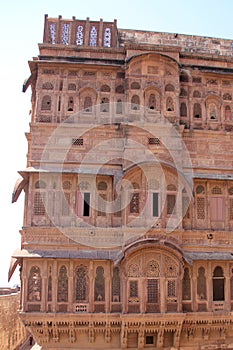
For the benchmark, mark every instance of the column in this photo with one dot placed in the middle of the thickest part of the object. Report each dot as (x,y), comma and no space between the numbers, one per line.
(91,287)
(70,286)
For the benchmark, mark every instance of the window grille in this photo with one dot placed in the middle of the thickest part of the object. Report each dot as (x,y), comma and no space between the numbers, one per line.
(133,270)
(105,88)
(116,285)
(227,97)
(200,208)
(62,287)
(134,203)
(216,190)
(77,142)
(196,80)
(79,35)
(93,36)
(153,141)
(171,288)
(65,33)
(218,284)
(39,203)
(153,291)
(81,284)
(107,37)
(133,289)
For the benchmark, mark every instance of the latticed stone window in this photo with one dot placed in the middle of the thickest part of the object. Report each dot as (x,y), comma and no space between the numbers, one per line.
(153,141)
(169,104)
(134,203)
(39,203)
(77,142)
(65,33)
(99,293)
(107,37)
(116,290)
(47,86)
(93,36)
(133,289)
(186,285)
(200,208)
(62,287)
(50,290)
(81,284)
(34,284)
(171,288)
(79,35)
(153,291)
(216,190)
(227,96)
(201,284)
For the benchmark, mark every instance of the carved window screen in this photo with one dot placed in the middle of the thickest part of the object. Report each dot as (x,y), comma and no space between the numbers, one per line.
(201,284)
(186,285)
(99,284)
(81,284)
(34,284)
(116,285)
(153,291)
(62,288)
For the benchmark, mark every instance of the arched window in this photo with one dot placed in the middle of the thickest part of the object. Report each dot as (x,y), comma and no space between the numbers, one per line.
(46,103)
(120,89)
(228,115)
(70,104)
(184,77)
(99,290)
(81,284)
(34,284)
(186,285)
(135,102)
(196,94)
(105,88)
(88,104)
(169,87)
(183,92)
(119,108)
(183,109)
(62,287)
(197,110)
(152,102)
(72,87)
(169,104)
(116,290)
(135,85)
(201,284)
(104,107)
(218,284)
(213,114)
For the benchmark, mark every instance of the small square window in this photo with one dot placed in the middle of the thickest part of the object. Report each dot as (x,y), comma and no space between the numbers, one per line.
(153,141)
(149,340)
(77,142)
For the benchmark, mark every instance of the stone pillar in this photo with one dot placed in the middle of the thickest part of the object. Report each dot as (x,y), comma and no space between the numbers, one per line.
(44,278)
(209,287)
(227,304)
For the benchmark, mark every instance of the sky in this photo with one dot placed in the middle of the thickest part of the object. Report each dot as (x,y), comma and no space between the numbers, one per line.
(21,27)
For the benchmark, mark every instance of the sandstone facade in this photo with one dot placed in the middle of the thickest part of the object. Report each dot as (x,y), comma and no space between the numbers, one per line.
(127,234)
